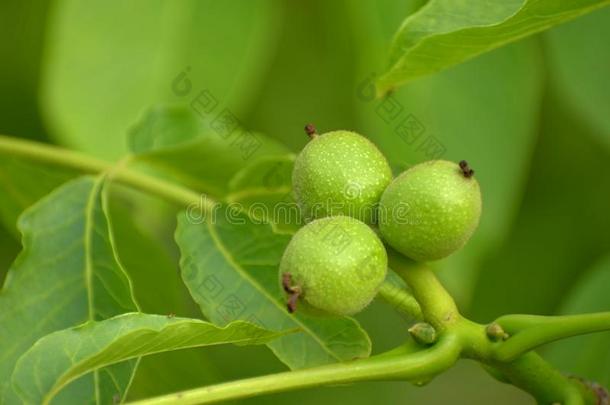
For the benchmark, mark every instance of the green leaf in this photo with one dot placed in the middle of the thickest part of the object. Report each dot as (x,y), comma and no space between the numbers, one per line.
(22,183)
(263,189)
(143,226)
(458,114)
(230,266)
(108,60)
(20,70)
(587,356)
(446,32)
(579,63)
(146,250)
(66,274)
(177,142)
(164,126)
(310,78)
(61,357)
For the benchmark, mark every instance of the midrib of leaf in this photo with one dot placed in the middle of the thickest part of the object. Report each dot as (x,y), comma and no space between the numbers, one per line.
(229,257)
(525,30)
(386,82)
(89,271)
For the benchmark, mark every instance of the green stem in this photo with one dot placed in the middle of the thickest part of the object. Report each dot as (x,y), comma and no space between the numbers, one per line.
(401,300)
(87,164)
(437,305)
(422,365)
(173,192)
(52,154)
(528,332)
(529,372)
(533,374)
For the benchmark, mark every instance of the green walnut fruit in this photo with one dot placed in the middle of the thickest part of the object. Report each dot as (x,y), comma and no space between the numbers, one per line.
(340,173)
(335,265)
(430,210)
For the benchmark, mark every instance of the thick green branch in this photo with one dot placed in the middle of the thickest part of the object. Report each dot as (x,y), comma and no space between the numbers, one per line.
(400,299)
(421,365)
(529,372)
(533,374)
(527,332)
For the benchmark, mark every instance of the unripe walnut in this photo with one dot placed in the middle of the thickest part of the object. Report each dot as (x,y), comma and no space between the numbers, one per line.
(340,173)
(335,265)
(430,210)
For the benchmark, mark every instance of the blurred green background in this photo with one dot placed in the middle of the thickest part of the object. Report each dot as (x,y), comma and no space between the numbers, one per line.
(532,118)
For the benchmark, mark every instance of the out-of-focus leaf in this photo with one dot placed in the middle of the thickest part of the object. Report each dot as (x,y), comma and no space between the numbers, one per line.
(61,357)
(230,266)
(446,32)
(108,60)
(579,62)
(310,79)
(174,140)
(484,111)
(66,274)
(163,126)
(22,183)
(22,31)
(587,356)
(562,227)
(9,248)
(264,190)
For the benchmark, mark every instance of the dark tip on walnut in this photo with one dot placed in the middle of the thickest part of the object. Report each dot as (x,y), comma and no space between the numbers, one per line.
(310,130)
(286,281)
(466,170)
(293,292)
(291,305)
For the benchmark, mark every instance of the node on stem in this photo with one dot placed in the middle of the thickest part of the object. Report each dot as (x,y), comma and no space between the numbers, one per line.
(423,333)
(496,333)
